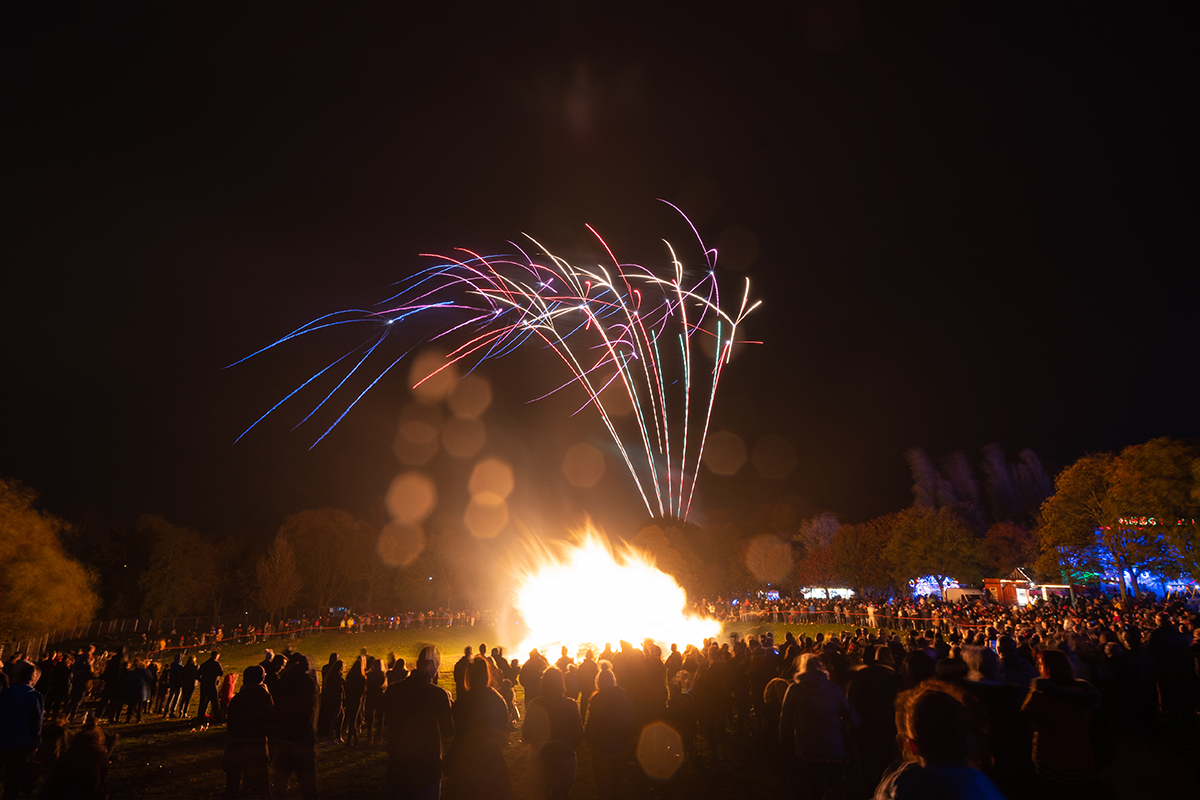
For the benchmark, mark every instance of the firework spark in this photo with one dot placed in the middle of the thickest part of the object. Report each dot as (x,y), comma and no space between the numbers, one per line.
(617,324)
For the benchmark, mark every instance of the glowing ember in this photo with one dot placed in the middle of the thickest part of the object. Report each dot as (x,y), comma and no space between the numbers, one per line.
(587,596)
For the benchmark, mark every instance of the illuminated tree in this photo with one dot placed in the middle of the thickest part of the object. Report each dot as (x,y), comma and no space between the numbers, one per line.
(42,589)
(1079,507)
(1135,510)
(1152,494)
(939,543)
(277,579)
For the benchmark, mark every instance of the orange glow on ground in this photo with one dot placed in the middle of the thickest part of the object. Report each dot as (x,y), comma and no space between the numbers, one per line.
(582,595)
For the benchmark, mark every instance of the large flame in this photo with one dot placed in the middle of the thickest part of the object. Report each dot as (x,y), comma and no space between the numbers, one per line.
(586,595)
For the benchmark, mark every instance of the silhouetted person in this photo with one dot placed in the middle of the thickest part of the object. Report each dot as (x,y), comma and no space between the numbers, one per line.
(209,673)
(113,693)
(249,720)
(531,675)
(610,731)
(187,679)
(553,730)
(939,735)
(333,703)
(81,679)
(21,714)
(1059,709)
(586,674)
(475,765)
(356,692)
(872,694)
(418,720)
(810,726)
(460,671)
(373,707)
(138,682)
(174,680)
(1008,738)
(82,772)
(293,741)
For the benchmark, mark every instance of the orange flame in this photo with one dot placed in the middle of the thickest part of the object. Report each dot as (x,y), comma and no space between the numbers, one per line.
(586,595)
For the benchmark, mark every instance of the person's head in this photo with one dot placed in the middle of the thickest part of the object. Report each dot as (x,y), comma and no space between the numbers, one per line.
(1055,666)
(268,654)
(467,651)
(936,724)
(552,683)
(178,658)
(253,676)
(215,656)
(477,676)
(982,664)
(482,649)
(24,672)
(674,648)
(810,663)
(918,667)
(299,663)
(606,679)
(564,651)
(429,661)
(884,657)
(589,655)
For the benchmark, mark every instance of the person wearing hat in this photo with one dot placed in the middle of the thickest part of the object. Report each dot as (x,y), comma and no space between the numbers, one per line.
(249,718)
(418,722)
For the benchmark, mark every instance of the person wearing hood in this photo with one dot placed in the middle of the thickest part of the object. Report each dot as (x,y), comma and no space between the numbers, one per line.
(21,714)
(810,726)
(248,718)
(1059,710)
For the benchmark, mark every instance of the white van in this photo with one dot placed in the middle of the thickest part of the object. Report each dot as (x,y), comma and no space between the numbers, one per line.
(958,595)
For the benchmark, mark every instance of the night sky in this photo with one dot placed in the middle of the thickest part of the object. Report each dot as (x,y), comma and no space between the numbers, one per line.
(975,224)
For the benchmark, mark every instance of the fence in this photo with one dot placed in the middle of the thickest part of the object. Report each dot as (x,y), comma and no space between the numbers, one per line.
(114,627)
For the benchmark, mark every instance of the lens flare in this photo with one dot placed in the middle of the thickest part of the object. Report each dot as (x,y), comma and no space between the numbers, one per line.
(584,594)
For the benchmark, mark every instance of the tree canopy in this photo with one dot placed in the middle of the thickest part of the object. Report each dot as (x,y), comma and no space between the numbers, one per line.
(42,589)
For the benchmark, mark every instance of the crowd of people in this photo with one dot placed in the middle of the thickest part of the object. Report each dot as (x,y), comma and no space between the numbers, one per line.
(972,700)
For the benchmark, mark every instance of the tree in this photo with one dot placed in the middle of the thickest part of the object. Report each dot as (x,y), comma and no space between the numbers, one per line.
(673,554)
(815,570)
(1009,546)
(1152,494)
(858,554)
(940,544)
(277,579)
(1071,517)
(42,589)
(326,541)
(182,570)
(769,559)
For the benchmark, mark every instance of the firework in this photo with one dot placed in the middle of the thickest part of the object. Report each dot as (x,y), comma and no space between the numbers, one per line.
(617,325)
